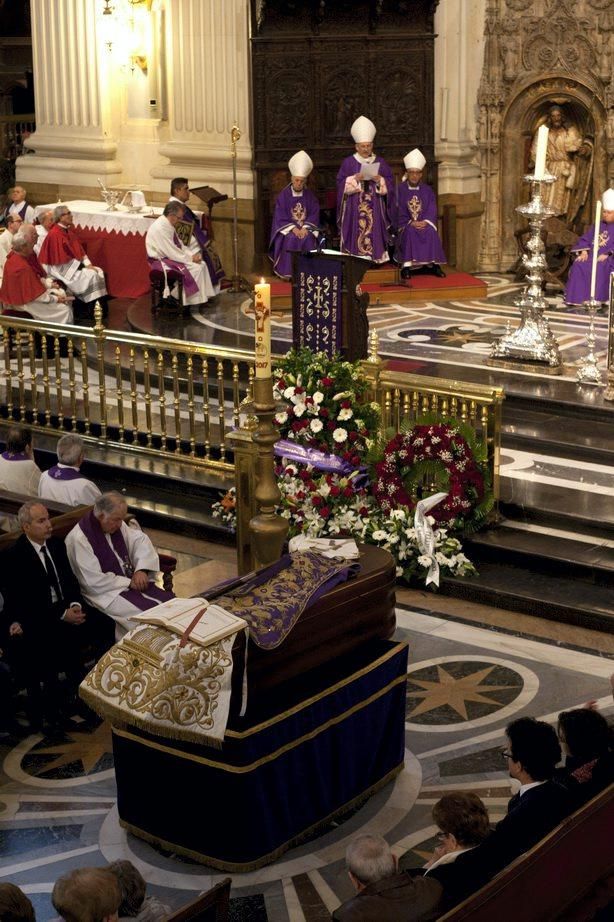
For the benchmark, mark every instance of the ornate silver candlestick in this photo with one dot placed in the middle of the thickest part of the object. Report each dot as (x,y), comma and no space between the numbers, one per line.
(533,342)
(588,369)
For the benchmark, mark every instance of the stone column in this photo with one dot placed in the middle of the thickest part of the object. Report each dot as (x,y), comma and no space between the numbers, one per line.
(458,63)
(74,141)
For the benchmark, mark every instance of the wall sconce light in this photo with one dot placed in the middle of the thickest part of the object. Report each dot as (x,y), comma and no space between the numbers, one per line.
(108,9)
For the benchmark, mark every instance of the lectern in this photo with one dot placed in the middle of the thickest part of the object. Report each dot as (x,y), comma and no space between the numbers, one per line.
(329,310)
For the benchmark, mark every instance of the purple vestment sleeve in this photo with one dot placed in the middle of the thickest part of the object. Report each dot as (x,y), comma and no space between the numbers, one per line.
(416,246)
(362,217)
(578,286)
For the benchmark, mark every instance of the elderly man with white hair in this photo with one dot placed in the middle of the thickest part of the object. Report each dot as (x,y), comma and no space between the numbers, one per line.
(45,223)
(382,892)
(13,224)
(23,287)
(115,564)
(364,184)
(296,217)
(64,482)
(414,216)
(18,205)
(166,253)
(64,258)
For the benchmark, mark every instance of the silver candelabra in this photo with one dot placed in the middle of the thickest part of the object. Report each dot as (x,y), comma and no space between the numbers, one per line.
(533,342)
(588,369)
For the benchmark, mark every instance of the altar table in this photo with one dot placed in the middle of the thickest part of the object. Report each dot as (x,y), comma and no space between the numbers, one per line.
(115,241)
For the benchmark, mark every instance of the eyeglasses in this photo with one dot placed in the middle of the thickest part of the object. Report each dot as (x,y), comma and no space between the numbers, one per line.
(506,755)
(65,213)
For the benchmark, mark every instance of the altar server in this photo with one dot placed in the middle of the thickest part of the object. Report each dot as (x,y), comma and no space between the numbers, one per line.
(415,218)
(200,241)
(296,217)
(115,564)
(578,287)
(362,202)
(64,482)
(23,286)
(165,252)
(64,258)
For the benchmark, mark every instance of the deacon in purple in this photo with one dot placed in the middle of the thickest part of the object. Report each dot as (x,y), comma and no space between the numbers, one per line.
(418,246)
(578,287)
(364,184)
(296,217)
(114,563)
(199,242)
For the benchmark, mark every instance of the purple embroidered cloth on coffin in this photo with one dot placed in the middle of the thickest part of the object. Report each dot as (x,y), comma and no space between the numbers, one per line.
(274,600)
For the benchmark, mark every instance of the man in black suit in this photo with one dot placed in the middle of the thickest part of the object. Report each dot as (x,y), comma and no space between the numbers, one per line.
(532,753)
(43,618)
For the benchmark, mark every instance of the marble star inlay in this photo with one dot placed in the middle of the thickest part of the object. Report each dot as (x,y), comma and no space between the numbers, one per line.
(453,691)
(88,748)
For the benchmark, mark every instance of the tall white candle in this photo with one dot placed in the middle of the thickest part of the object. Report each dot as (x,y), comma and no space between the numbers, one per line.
(262,312)
(595,248)
(540,154)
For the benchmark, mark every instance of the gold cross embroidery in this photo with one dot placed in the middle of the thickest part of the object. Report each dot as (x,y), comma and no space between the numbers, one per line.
(414,206)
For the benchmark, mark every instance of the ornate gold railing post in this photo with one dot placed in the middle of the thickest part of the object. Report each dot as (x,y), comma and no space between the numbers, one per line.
(245,456)
(99,333)
(267,529)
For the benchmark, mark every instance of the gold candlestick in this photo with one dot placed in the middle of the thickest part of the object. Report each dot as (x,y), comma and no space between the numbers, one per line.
(267,530)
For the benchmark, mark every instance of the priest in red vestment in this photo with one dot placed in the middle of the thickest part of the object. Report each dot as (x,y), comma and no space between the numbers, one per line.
(23,288)
(64,258)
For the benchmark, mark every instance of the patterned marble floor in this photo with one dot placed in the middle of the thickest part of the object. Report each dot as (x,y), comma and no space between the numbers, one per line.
(466,681)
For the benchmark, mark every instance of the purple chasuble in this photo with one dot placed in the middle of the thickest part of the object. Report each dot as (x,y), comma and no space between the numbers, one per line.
(578,287)
(362,218)
(216,270)
(90,526)
(15,456)
(416,246)
(301,210)
(64,473)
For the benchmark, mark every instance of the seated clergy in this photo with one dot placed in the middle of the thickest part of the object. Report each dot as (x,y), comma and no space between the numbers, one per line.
(64,482)
(199,242)
(114,563)
(364,185)
(18,206)
(42,614)
(19,472)
(578,287)
(44,225)
(13,224)
(414,216)
(296,217)
(64,258)
(167,253)
(382,892)
(24,287)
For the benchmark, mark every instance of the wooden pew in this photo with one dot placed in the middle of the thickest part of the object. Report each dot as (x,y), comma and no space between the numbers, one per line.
(211,906)
(573,862)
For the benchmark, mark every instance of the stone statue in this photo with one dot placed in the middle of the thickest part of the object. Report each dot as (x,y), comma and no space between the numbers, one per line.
(564,145)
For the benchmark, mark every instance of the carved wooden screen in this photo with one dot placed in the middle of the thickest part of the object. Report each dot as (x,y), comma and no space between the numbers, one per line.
(319,64)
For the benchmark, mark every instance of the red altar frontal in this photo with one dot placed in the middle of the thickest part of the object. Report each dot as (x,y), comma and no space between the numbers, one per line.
(115,241)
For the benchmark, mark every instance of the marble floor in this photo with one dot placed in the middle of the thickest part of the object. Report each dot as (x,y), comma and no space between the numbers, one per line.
(471,670)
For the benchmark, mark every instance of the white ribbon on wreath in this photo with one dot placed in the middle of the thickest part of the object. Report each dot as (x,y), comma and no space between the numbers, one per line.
(425,536)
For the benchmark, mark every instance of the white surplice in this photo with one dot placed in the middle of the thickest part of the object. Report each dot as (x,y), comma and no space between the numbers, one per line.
(161,243)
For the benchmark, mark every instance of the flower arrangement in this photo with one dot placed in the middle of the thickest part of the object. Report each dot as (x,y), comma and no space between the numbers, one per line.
(225,509)
(446,456)
(321,504)
(326,404)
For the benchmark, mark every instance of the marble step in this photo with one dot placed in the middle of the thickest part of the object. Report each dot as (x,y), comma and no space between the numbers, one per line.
(571,601)
(581,438)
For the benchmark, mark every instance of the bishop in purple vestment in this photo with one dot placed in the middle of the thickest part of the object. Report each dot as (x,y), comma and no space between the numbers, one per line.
(578,287)
(362,197)
(296,217)
(414,216)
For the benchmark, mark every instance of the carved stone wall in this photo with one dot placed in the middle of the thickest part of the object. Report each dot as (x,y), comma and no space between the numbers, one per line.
(538,53)
(316,66)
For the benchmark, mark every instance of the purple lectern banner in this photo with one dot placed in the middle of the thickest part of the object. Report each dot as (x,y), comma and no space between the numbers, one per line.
(319,303)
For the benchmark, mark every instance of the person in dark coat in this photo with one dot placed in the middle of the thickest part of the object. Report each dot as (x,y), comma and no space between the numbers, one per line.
(586,740)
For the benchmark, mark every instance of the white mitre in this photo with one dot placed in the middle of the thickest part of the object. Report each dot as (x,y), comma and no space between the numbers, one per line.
(607,200)
(363,129)
(414,160)
(300,164)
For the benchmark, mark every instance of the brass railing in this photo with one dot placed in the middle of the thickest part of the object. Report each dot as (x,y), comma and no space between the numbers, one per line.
(125,389)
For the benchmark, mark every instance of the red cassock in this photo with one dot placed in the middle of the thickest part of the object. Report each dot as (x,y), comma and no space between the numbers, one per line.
(20,283)
(60,246)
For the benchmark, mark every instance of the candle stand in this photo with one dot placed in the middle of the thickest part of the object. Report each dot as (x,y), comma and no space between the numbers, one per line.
(533,342)
(267,530)
(588,369)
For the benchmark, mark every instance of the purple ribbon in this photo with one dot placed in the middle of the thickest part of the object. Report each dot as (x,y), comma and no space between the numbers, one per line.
(320,461)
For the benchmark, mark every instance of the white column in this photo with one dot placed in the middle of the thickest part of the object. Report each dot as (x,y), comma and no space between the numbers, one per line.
(459,25)
(73,141)
(207,73)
